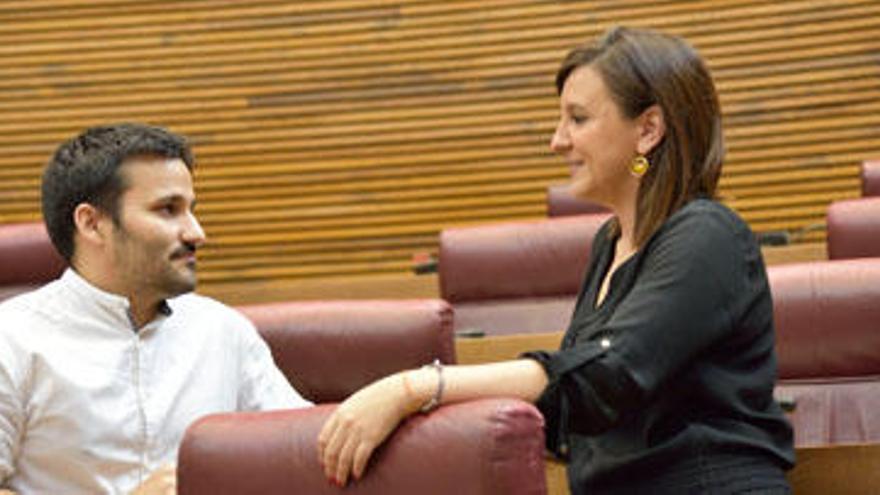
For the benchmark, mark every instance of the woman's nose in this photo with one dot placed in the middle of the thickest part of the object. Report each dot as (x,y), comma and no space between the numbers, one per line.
(559,142)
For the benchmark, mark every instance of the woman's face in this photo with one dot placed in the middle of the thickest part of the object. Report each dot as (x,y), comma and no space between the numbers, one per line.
(596,140)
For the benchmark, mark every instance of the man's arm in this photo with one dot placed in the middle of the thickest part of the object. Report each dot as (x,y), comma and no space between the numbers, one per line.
(11,410)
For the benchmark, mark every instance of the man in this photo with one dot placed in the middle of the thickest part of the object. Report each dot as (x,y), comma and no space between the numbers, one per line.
(102,370)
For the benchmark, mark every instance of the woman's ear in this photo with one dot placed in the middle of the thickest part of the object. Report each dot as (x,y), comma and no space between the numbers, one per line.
(651,129)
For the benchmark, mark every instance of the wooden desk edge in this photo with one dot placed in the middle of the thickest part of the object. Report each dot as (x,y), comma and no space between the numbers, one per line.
(475,350)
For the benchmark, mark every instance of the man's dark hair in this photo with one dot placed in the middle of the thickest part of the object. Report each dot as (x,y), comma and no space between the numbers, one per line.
(85,169)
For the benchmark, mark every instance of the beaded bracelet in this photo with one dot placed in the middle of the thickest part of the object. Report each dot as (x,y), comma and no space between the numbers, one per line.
(434,401)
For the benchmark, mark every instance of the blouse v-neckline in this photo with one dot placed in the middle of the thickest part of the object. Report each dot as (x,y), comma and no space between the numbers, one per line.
(605,263)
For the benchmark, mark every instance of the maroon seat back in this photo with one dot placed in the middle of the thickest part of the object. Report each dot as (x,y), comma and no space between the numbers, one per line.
(516,277)
(27,258)
(329,349)
(484,447)
(560,202)
(871,177)
(854,228)
(827,318)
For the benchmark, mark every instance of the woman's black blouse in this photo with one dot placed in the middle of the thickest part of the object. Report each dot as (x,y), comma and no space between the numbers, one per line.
(676,366)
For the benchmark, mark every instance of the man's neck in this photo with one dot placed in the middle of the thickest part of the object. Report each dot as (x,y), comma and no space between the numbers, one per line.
(142,312)
(142,307)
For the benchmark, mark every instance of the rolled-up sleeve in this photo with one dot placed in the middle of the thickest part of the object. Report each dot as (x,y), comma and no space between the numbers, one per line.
(680,303)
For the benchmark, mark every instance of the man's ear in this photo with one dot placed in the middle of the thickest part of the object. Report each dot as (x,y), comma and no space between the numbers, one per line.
(90,223)
(651,129)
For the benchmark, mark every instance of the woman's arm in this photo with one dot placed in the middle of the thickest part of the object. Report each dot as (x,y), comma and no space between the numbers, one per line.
(363,421)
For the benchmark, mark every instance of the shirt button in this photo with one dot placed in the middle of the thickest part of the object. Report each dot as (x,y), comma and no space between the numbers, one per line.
(605,343)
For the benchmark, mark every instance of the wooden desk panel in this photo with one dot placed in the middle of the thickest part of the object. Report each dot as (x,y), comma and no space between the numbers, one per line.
(503,347)
(794,253)
(823,470)
(837,469)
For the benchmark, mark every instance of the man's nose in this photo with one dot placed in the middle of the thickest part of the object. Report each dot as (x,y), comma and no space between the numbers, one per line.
(192,231)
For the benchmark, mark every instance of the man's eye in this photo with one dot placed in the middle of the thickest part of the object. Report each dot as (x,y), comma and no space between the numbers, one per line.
(578,119)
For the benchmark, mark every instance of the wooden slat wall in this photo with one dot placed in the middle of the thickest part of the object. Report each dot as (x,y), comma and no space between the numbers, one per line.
(335,138)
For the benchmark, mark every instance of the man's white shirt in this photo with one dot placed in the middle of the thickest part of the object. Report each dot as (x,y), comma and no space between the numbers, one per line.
(89,405)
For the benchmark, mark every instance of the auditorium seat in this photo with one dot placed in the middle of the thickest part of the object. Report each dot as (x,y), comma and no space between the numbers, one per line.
(870,174)
(484,447)
(854,228)
(827,316)
(27,258)
(329,349)
(516,277)
(560,203)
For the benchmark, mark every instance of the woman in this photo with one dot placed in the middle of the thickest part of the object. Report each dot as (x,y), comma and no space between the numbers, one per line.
(664,380)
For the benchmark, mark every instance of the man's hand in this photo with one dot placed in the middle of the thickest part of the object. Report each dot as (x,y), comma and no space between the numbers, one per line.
(162,481)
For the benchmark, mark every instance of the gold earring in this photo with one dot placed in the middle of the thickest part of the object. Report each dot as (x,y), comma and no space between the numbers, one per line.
(639,165)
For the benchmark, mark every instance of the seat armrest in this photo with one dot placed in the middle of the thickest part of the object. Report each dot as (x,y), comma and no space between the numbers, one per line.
(482,447)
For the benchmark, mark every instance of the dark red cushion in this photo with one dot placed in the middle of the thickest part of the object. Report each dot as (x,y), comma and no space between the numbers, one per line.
(516,277)
(871,178)
(329,349)
(854,228)
(560,202)
(517,259)
(827,317)
(484,447)
(27,256)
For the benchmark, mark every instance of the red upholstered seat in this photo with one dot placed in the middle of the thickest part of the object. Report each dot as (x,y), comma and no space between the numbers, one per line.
(871,177)
(827,317)
(486,447)
(560,203)
(516,277)
(27,258)
(329,349)
(854,228)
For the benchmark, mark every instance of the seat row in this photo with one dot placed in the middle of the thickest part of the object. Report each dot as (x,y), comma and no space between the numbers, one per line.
(521,277)
(828,346)
(829,368)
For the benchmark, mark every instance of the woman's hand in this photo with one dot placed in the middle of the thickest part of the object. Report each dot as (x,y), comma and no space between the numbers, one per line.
(360,424)
(363,421)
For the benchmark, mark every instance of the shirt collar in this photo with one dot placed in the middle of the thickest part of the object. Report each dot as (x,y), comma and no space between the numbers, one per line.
(90,295)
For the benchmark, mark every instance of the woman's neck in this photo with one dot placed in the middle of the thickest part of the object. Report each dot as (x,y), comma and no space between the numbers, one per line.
(626,218)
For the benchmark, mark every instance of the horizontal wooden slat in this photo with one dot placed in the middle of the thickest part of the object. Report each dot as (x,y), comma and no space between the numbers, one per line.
(335,138)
